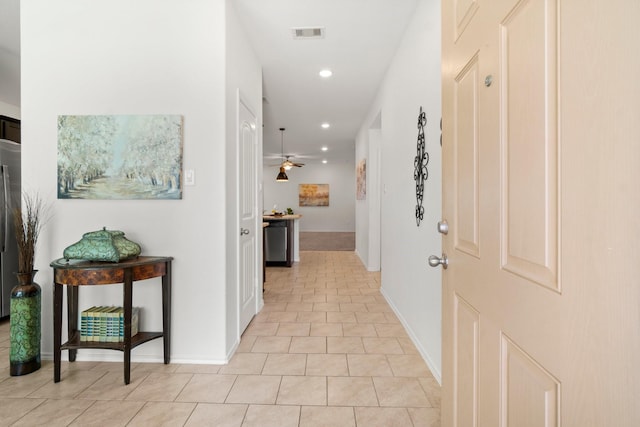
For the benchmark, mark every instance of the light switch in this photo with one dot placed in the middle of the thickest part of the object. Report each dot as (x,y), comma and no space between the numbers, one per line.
(189,177)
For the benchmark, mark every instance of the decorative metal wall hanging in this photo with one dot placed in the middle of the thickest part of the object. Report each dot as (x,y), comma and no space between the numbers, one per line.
(420,172)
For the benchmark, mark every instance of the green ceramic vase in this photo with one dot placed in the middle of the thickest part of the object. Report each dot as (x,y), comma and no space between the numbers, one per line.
(24,330)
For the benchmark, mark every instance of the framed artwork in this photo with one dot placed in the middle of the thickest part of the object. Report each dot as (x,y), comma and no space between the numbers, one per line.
(313,194)
(120,157)
(361,180)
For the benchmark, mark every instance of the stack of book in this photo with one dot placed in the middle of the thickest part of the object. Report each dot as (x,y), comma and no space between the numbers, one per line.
(106,324)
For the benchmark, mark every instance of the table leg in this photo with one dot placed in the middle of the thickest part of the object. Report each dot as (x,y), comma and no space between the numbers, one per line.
(72,318)
(166,313)
(57,330)
(128,297)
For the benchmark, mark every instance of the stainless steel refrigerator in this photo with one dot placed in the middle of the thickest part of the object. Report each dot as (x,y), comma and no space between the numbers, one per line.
(10,197)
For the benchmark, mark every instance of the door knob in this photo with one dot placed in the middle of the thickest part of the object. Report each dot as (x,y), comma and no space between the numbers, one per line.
(244,231)
(435,261)
(443,227)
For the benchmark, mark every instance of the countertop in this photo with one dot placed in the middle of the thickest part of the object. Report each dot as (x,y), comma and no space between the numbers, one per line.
(271,217)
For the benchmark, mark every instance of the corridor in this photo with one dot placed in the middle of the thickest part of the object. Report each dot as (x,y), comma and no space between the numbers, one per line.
(326,350)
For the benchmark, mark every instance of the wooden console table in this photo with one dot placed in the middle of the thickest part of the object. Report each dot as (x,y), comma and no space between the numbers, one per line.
(75,273)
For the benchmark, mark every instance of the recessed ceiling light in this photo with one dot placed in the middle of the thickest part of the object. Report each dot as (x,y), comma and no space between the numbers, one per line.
(325,148)
(325,125)
(324,161)
(326,73)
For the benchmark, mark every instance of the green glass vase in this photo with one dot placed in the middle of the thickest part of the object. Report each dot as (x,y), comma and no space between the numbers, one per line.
(25,330)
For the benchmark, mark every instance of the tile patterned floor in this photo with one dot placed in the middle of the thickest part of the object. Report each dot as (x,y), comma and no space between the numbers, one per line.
(326,350)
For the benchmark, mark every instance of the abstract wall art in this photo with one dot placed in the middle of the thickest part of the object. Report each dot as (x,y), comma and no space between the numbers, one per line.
(361,180)
(120,157)
(313,194)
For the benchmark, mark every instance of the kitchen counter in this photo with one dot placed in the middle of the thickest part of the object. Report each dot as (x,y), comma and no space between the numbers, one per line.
(270,217)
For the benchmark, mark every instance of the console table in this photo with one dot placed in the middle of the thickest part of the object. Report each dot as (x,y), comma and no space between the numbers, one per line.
(76,273)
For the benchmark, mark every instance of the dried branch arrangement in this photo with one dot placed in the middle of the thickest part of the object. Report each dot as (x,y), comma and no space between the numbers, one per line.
(28,220)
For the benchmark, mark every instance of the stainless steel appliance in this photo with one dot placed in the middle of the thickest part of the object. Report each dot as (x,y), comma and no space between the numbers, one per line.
(275,240)
(10,197)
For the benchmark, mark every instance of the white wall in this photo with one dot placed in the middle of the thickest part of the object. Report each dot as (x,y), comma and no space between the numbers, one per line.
(9,79)
(362,206)
(9,110)
(143,57)
(338,216)
(368,210)
(413,80)
(243,78)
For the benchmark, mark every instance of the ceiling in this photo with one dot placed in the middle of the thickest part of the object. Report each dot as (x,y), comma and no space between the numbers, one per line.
(360,39)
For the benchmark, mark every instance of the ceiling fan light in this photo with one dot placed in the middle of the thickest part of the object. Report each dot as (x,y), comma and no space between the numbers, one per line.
(282,176)
(287,167)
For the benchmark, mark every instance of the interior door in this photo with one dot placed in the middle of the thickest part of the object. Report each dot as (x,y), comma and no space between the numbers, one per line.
(540,297)
(248,209)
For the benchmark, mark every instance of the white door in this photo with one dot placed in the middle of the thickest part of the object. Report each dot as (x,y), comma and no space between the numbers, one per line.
(248,209)
(541,153)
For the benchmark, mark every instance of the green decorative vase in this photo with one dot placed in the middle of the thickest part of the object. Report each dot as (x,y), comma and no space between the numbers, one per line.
(24,356)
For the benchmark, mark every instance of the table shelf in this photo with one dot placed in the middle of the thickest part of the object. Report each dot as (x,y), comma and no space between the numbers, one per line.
(77,273)
(75,342)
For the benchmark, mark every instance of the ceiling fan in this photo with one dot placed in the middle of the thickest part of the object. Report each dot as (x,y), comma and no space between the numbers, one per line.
(286,162)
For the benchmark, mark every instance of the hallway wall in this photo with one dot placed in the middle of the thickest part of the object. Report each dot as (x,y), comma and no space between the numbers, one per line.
(143,57)
(412,288)
(9,110)
(338,216)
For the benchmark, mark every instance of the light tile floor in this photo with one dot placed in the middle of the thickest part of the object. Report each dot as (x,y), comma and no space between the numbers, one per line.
(326,350)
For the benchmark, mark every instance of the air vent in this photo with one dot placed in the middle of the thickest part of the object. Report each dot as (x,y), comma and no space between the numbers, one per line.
(308,33)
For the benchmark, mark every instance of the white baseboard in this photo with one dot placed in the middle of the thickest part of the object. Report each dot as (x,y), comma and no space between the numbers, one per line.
(425,355)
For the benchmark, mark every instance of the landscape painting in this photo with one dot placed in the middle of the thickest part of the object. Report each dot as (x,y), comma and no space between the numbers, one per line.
(120,157)
(361,180)
(313,194)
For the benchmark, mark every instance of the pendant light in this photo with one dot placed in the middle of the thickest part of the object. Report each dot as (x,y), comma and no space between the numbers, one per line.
(282,176)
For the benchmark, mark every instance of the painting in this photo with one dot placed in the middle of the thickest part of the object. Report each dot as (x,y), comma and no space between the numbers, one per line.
(361,180)
(313,194)
(120,157)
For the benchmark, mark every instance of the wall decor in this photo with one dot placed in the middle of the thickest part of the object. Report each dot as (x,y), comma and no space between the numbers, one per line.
(361,180)
(313,194)
(120,157)
(420,172)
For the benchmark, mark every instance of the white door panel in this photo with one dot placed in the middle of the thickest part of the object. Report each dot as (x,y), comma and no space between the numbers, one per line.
(541,325)
(248,209)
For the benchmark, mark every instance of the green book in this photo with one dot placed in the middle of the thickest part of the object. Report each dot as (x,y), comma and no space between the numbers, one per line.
(113,327)
(91,323)
(102,337)
(97,323)
(85,324)
(121,324)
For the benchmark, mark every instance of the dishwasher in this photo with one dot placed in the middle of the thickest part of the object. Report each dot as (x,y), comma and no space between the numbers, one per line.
(275,241)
